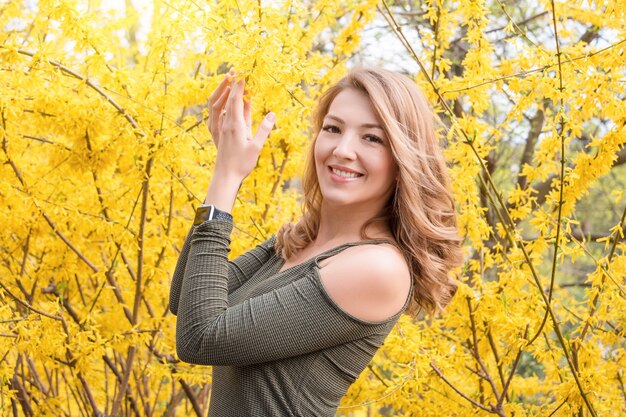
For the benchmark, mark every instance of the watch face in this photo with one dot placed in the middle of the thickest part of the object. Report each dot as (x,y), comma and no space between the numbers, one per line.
(203,213)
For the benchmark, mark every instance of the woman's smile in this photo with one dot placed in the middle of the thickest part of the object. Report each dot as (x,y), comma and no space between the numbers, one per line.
(343,174)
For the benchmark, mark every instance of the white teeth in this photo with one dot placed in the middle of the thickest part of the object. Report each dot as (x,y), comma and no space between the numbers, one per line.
(345,174)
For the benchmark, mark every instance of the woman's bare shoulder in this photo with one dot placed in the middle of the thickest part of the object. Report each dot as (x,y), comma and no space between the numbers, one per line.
(369,282)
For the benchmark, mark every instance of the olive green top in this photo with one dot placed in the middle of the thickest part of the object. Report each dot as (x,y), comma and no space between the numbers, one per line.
(279,344)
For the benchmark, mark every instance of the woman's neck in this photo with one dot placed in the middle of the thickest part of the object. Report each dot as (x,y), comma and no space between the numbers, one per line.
(341,225)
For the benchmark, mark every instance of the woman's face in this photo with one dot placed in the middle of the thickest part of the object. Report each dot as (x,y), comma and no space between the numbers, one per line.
(353,160)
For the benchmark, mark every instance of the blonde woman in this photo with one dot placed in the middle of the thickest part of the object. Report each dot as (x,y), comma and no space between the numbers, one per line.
(289,325)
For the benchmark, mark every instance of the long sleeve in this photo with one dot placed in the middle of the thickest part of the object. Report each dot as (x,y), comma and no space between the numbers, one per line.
(239,271)
(291,320)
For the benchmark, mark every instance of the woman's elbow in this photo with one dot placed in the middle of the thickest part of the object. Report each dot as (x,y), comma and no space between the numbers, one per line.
(199,346)
(189,355)
(201,357)
(195,352)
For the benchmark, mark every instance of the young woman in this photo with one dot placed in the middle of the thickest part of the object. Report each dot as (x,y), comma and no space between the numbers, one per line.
(292,323)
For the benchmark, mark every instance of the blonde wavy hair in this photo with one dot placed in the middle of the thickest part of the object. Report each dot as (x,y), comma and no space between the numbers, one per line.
(420,213)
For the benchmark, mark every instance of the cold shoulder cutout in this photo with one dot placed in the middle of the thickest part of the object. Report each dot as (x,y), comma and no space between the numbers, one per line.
(371,283)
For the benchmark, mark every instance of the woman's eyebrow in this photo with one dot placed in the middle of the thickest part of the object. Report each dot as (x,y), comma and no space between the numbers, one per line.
(365,125)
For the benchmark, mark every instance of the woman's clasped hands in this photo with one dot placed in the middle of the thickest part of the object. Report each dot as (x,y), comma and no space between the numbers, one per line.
(230,124)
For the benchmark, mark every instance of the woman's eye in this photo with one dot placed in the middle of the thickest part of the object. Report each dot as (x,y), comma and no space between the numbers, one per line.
(373,138)
(331,129)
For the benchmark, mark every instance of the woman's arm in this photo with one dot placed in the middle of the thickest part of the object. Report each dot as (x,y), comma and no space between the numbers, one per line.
(292,320)
(240,269)
(237,152)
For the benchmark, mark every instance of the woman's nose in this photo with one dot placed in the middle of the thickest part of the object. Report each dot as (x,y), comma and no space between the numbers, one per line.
(345,148)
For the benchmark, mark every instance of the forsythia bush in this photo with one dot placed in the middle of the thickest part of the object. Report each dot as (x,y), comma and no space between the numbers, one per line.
(105,155)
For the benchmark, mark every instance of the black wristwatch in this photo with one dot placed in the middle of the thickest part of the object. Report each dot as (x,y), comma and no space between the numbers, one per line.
(210,212)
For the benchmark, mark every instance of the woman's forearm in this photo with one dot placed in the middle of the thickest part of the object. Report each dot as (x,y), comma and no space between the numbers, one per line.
(223,190)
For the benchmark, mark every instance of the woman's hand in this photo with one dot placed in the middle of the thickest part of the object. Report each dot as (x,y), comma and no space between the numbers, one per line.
(230,124)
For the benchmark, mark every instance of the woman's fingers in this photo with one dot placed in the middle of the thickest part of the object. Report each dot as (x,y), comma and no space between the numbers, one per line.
(238,149)
(216,104)
(263,132)
(217,114)
(247,116)
(234,106)
(219,90)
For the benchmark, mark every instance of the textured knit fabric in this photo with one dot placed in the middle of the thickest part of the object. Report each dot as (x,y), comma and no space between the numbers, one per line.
(279,344)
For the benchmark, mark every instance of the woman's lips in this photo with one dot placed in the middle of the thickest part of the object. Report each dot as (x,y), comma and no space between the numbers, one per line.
(343,174)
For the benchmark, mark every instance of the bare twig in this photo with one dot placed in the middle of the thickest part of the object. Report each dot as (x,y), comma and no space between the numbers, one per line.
(506,385)
(276,184)
(28,306)
(496,357)
(104,210)
(561,133)
(141,240)
(620,379)
(124,382)
(594,303)
(192,398)
(515,25)
(476,352)
(168,228)
(473,402)
(44,140)
(558,407)
(22,393)
(90,397)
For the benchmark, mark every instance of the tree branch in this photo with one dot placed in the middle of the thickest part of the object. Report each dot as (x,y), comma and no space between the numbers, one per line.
(536,126)
(90,83)
(20,178)
(474,403)
(192,398)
